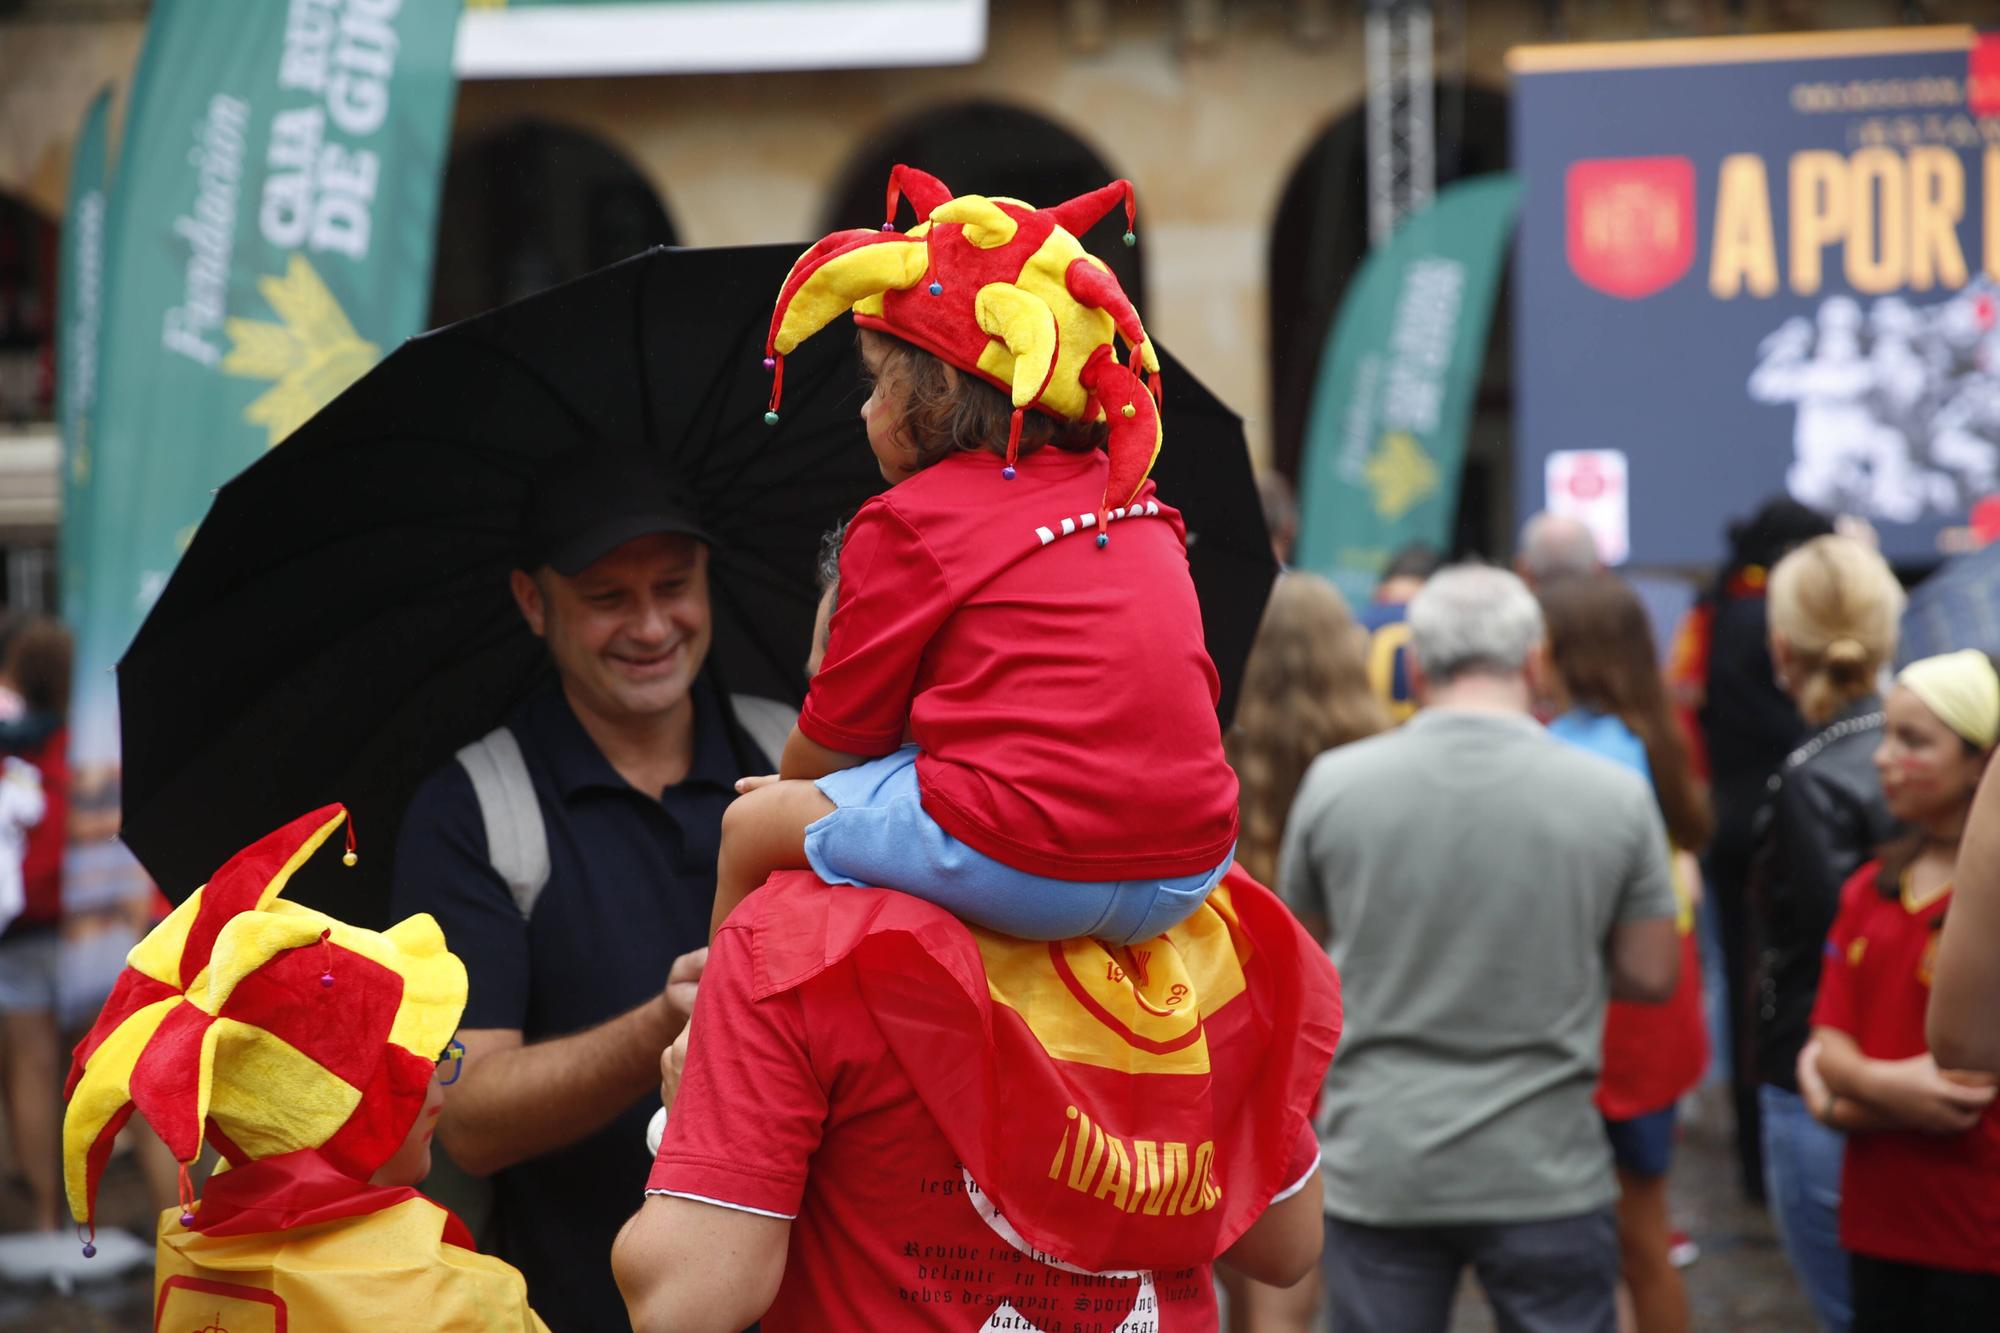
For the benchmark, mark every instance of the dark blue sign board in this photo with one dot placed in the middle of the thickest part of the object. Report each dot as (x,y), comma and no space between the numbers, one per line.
(1758,266)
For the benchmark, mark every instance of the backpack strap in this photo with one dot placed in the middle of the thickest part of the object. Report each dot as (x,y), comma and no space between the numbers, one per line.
(766,722)
(517,842)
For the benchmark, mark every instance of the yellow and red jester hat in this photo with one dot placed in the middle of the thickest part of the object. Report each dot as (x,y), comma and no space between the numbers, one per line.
(999,289)
(268,1027)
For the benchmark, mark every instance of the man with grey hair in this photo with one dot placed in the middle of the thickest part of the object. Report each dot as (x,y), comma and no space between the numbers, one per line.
(1483,889)
(1555,546)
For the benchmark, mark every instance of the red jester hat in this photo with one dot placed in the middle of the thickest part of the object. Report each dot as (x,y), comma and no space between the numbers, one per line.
(265,1027)
(1001,290)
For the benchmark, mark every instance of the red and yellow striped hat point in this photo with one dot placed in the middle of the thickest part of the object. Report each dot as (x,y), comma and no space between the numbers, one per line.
(999,289)
(264,1027)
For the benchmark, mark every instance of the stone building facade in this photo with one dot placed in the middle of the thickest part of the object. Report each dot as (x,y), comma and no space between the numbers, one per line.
(1237,120)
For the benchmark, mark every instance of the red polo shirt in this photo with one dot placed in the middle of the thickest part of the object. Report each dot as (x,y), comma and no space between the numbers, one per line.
(1060,692)
(1925,1199)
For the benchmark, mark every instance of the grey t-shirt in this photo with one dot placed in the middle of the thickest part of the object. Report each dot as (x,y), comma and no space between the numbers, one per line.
(1471,868)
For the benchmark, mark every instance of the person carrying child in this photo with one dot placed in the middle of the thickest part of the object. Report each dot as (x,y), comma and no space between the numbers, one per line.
(1015,718)
(308,1053)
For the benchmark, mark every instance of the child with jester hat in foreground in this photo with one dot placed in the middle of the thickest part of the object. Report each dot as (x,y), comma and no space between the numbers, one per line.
(308,1053)
(1015,718)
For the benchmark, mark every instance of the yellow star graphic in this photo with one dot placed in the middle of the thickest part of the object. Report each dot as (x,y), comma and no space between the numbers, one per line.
(312,354)
(1401,475)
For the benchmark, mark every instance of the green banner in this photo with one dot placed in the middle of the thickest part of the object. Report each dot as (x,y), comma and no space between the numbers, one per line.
(1385,440)
(269,237)
(79,317)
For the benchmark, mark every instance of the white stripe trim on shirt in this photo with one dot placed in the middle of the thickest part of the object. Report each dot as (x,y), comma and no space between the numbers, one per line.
(732,1207)
(1297,1185)
(1071,526)
(1282,1195)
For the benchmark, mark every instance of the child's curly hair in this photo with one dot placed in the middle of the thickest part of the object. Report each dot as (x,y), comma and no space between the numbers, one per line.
(940,419)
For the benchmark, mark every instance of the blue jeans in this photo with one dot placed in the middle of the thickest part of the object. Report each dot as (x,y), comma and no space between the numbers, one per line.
(1553,1276)
(880,836)
(1802,1181)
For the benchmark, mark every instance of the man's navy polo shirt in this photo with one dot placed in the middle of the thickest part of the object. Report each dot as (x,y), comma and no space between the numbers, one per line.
(631,886)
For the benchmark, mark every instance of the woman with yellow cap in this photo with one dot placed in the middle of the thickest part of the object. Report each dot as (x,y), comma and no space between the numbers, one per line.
(1920,1186)
(308,1053)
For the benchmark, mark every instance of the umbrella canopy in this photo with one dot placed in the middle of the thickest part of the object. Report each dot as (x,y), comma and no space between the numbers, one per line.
(341,624)
(1204,471)
(1957,607)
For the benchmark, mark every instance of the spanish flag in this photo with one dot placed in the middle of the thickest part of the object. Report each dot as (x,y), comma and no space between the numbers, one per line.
(1123,1107)
(293,1242)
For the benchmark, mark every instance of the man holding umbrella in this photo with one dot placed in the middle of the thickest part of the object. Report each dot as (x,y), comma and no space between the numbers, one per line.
(348,596)
(582,938)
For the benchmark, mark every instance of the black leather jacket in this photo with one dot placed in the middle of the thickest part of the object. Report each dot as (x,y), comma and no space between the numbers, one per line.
(1824,818)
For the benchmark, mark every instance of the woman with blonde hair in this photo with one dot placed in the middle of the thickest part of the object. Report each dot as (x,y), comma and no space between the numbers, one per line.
(1305,691)
(1833,606)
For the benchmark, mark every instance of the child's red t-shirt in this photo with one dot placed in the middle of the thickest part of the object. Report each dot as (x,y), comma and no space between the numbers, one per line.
(1925,1199)
(1061,694)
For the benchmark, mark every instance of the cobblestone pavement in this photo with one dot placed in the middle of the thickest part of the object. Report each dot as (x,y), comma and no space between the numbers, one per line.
(123,1304)
(1739,1285)
(1741,1282)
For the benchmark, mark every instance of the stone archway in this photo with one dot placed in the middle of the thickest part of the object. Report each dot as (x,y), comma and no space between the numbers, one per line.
(532,205)
(1319,236)
(28,247)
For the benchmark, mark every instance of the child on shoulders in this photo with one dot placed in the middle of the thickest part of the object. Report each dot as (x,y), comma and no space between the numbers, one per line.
(1015,717)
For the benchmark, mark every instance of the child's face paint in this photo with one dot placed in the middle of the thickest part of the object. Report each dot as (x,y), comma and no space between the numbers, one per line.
(1926,771)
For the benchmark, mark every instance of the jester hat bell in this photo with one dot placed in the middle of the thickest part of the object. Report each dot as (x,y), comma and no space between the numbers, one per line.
(265,1027)
(999,289)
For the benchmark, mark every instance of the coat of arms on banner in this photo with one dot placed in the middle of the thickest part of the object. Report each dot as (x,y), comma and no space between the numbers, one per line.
(1630,222)
(1982,76)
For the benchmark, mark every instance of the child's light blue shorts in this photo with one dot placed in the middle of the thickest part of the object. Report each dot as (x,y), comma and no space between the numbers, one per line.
(880,837)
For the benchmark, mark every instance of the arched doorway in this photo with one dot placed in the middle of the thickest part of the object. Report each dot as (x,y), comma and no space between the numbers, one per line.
(27,313)
(533,205)
(991,148)
(29,453)
(1318,239)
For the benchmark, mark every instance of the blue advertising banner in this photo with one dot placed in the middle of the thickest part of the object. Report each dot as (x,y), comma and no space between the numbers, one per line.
(1752,266)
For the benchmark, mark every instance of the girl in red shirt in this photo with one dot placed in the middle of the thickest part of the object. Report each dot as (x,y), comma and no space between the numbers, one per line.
(1920,1188)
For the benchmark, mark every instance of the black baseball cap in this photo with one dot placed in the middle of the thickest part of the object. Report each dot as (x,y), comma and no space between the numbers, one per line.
(587,502)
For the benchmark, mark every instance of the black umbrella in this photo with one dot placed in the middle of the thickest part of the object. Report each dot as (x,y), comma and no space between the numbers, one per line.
(1204,471)
(341,623)
(1957,607)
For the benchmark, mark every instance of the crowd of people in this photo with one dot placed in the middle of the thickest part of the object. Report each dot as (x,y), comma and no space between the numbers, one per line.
(1807,809)
(1082,1068)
